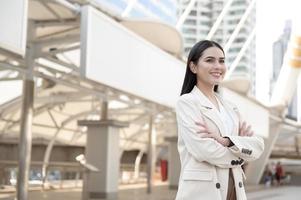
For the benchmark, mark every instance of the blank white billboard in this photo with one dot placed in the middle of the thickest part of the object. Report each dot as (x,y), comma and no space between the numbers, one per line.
(13,24)
(117,57)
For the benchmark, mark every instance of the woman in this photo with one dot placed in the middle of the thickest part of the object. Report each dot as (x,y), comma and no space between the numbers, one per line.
(213,142)
(279,173)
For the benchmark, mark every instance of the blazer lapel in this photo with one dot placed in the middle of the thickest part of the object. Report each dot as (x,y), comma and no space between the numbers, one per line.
(207,110)
(233,112)
(213,116)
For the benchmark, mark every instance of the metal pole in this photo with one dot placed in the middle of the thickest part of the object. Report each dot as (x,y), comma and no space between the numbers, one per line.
(47,158)
(24,150)
(129,7)
(73,7)
(240,54)
(185,14)
(137,164)
(150,157)
(25,140)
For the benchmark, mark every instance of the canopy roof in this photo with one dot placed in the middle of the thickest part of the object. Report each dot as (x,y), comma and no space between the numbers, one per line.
(62,97)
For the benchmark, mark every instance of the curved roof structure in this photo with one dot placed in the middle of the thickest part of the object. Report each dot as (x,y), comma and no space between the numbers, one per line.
(162,35)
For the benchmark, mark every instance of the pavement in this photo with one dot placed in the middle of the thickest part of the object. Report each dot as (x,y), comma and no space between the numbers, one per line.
(159,192)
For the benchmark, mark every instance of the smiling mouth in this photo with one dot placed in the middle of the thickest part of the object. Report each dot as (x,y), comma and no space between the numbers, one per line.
(216,74)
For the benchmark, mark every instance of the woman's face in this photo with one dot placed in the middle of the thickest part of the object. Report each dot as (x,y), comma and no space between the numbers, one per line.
(210,69)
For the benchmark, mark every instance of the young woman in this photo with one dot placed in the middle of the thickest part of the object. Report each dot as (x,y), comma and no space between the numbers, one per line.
(213,142)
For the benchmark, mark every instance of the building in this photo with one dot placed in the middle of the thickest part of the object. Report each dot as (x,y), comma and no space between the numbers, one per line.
(202,17)
(279,50)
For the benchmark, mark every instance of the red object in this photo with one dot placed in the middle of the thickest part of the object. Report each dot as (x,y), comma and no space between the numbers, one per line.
(279,171)
(164,172)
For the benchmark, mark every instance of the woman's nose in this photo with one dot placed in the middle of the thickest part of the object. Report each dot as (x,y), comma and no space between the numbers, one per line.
(218,65)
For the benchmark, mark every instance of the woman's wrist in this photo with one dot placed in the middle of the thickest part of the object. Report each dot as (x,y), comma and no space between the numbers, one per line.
(225,141)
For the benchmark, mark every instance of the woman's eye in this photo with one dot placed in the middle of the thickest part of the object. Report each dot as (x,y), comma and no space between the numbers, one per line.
(222,61)
(209,60)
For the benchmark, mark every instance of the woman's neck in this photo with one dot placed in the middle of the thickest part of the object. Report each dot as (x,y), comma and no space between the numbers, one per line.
(208,91)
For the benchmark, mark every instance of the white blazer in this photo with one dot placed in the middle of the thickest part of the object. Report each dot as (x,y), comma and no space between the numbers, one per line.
(205,163)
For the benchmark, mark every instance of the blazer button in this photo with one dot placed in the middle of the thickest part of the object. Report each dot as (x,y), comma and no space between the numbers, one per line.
(240,184)
(233,162)
(236,162)
(218,185)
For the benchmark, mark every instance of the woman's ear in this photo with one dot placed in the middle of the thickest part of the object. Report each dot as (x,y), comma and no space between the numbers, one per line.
(192,67)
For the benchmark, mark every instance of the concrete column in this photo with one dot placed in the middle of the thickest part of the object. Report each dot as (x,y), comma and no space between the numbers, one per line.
(151,155)
(174,164)
(24,148)
(102,152)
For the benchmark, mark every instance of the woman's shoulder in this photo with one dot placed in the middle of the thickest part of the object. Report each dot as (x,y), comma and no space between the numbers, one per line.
(188,97)
(186,101)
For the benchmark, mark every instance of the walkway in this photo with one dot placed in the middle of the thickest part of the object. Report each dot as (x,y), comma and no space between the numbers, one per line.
(161,193)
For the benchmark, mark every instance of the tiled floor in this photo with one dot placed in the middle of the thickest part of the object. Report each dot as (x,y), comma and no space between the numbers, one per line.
(161,193)
(277,193)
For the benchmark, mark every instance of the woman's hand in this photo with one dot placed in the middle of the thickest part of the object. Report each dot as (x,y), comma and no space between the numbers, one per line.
(245,130)
(205,133)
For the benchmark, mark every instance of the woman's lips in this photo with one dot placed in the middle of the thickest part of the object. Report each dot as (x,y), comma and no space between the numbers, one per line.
(216,74)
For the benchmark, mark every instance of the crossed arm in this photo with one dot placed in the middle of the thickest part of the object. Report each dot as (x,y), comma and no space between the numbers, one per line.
(211,147)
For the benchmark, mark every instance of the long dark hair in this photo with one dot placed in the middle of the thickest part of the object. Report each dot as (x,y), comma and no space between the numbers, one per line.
(195,53)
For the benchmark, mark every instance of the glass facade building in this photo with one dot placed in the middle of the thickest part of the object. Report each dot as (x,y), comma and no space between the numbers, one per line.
(201,18)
